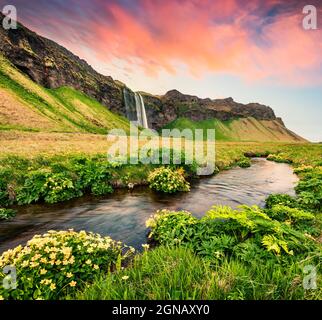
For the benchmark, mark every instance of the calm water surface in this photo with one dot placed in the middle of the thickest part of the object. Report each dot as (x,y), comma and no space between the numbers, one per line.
(122,215)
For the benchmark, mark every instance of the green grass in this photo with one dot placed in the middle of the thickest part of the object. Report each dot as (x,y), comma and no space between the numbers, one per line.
(163,273)
(177,274)
(184,123)
(241,129)
(255,254)
(67,109)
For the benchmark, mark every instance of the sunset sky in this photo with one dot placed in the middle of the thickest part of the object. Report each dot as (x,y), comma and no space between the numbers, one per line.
(253,51)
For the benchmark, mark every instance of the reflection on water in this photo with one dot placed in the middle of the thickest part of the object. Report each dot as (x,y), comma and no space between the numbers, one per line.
(123,214)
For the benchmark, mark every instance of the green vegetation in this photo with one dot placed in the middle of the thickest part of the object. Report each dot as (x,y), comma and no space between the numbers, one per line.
(60,110)
(58,263)
(6,214)
(168,180)
(280,158)
(244,163)
(60,178)
(250,253)
(52,181)
(243,129)
(164,273)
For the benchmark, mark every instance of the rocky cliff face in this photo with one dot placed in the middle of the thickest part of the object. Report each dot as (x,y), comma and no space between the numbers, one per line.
(53,66)
(174,104)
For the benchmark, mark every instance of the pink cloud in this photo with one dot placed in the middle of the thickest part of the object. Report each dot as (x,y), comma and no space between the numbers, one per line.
(234,36)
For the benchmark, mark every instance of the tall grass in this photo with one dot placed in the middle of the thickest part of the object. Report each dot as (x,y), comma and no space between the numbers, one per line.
(177,274)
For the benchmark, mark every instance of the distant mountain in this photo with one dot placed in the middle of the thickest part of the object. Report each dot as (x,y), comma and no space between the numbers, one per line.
(64,77)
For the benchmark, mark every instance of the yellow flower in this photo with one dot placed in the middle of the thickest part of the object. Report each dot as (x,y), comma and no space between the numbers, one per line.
(69,275)
(52,287)
(95,267)
(34,264)
(125,277)
(88,261)
(58,262)
(47,250)
(1,298)
(43,271)
(43,260)
(46,281)
(67,251)
(72,260)
(52,256)
(24,264)
(73,283)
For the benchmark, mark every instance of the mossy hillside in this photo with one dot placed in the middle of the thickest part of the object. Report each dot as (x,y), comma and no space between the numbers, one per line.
(239,129)
(66,109)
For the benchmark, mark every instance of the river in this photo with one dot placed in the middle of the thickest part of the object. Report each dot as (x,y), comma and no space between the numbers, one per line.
(122,215)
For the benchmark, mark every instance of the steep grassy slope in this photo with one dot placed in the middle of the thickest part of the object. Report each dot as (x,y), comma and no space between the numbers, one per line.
(242,129)
(27,106)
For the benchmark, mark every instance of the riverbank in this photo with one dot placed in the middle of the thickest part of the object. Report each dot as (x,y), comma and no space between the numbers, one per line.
(122,215)
(253,254)
(26,167)
(270,268)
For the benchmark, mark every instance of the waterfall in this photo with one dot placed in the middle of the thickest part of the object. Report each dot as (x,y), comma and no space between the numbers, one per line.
(135,108)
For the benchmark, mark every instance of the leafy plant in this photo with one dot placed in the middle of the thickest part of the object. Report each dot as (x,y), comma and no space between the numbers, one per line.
(280,158)
(280,199)
(6,214)
(47,186)
(168,180)
(222,228)
(58,263)
(94,175)
(291,215)
(244,163)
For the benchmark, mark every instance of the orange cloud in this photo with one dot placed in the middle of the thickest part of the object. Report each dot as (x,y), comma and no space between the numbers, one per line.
(257,40)
(208,36)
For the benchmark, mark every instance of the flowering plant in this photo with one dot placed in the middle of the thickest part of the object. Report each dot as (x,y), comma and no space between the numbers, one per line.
(168,180)
(58,263)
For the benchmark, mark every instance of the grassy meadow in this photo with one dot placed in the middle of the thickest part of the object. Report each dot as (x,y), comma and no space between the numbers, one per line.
(255,254)
(53,148)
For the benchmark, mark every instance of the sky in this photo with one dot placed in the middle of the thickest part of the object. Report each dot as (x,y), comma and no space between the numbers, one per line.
(253,51)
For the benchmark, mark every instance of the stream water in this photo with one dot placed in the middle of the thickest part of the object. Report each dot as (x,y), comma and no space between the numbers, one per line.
(122,215)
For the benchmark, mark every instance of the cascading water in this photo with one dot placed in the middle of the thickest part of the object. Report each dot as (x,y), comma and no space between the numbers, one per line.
(135,108)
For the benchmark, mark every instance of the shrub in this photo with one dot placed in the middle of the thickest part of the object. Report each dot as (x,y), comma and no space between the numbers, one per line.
(43,185)
(57,263)
(303,169)
(292,215)
(171,227)
(6,214)
(282,199)
(309,191)
(4,181)
(93,175)
(168,180)
(216,234)
(244,163)
(280,158)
